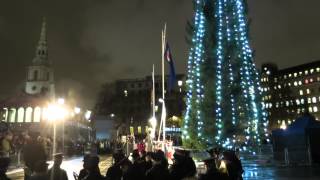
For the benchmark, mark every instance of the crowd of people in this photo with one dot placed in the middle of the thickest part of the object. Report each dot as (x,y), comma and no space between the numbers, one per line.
(140,165)
(143,165)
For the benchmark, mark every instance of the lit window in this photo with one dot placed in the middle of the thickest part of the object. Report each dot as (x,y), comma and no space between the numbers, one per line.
(295,83)
(306,72)
(287,103)
(275,87)
(315,109)
(269,96)
(300,83)
(285,76)
(308,91)
(311,80)
(20,114)
(265,68)
(289,84)
(301,92)
(318,78)
(300,73)
(311,71)
(309,100)
(290,75)
(297,101)
(29,114)
(265,89)
(302,101)
(318,69)
(37,114)
(279,86)
(295,74)
(270,105)
(306,81)
(268,72)
(314,100)
(310,109)
(12,115)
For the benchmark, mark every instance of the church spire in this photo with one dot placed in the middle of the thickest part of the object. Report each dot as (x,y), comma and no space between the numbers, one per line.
(41,57)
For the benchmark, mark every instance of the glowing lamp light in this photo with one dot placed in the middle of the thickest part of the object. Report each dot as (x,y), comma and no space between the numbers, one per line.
(283,125)
(87,115)
(60,101)
(153,122)
(77,110)
(55,112)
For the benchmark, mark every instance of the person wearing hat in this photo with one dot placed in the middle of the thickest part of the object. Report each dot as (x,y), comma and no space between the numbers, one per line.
(93,169)
(212,171)
(159,170)
(85,171)
(4,164)
(114,172)
(178,170)
(56,173)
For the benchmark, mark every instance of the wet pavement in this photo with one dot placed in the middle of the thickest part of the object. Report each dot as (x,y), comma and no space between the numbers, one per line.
(255,169)
(265,169)
(71,165)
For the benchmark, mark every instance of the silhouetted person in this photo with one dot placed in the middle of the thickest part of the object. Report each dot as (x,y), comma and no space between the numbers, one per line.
(56,173)
(93,168)
(85,171)
(137,169)
(159,170)
(178,171)
(115,172)
(190,168)
(40,171)
(233,164)
(126,167)
(4,164)
(212,171)
(33,152)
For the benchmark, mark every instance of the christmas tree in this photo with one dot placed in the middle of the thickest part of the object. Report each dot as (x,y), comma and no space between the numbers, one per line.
(193,125)
(238,118)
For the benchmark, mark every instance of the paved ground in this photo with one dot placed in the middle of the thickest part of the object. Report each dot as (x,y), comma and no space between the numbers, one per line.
(70,165)
(255,169)
(265,169)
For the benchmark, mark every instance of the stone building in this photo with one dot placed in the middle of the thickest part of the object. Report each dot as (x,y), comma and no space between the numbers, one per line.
(28,110)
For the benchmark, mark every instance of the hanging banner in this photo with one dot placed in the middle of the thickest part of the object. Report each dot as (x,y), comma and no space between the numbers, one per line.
(131,130)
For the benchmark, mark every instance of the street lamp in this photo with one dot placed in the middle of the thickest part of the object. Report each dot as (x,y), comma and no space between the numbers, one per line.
(55,112)
(180,84)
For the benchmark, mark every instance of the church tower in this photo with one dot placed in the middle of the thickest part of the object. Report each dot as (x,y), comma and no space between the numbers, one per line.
(40,78)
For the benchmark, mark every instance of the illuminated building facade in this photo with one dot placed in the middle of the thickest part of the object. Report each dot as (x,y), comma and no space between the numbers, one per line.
(29,109)
(290,92)
(128,101)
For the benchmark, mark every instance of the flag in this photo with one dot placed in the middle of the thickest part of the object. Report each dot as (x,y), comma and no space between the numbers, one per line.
(172,77)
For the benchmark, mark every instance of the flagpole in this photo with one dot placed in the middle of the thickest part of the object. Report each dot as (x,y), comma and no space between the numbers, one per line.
(153,93)
(163,85)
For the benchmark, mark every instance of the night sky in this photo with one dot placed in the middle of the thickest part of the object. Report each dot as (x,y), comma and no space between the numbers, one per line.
(96,41)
